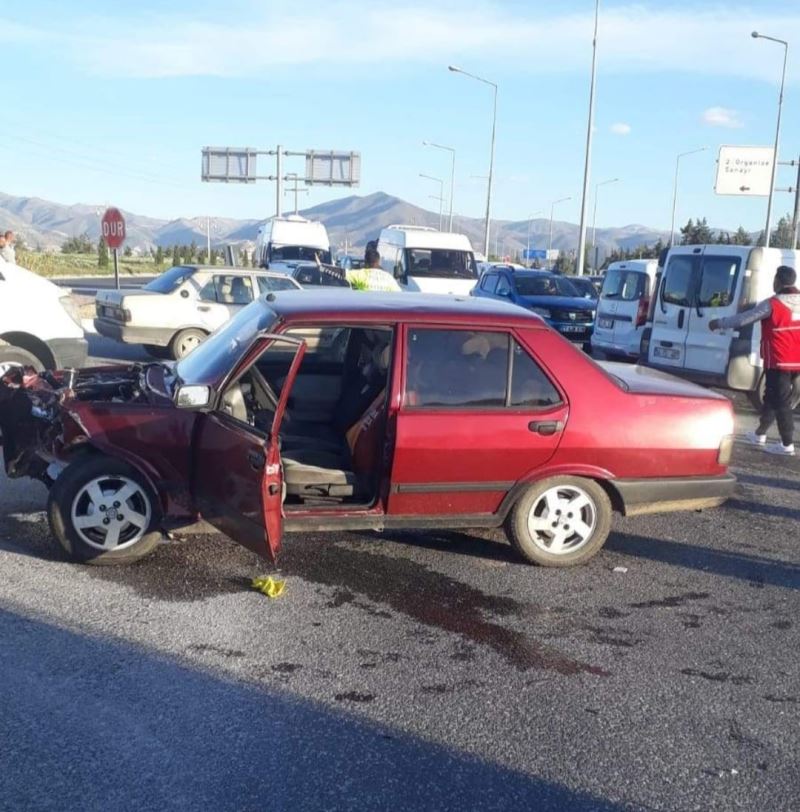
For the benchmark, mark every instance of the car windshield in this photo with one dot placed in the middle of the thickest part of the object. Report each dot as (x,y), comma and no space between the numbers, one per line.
(544,285)
(585,287)
(294,253)
(441,263)
(169,280)
(625,285)
(219,353)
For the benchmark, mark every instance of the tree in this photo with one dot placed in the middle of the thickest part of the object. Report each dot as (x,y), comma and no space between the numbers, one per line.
(127,251)
(201,257)
(783,235)
(159,257)
(176,255)
(741,237)
(78,245)
(244,258)
(565,264)
(696,233)
(102,254)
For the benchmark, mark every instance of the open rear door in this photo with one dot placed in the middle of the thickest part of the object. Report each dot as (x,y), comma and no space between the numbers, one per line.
(238,481)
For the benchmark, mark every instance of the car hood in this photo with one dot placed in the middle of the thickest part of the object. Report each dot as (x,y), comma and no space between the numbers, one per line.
(561,302)
(645,381)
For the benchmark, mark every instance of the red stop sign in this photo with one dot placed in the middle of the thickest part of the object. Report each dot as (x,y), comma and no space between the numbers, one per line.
(112,227)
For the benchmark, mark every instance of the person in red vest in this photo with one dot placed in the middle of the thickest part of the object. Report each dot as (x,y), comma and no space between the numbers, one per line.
(780,349)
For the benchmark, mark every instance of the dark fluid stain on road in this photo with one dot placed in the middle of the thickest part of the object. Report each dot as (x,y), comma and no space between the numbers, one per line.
(208,648)
(780,699)
(717,676)
(191,569)
(430,598)
(286,668)
(608,636)
(354,696)
(781,624)
(671,601)
(610,613)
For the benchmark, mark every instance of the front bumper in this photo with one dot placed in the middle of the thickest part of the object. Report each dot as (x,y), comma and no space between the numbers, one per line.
(131,334)
(573,331)
(673,493)
(69,353)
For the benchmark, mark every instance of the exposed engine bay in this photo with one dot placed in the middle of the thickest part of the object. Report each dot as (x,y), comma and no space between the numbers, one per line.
(33,405)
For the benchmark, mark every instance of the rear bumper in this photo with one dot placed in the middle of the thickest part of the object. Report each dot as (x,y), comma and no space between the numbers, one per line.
(131,334)
(629,346)
(69,352)
(676,493)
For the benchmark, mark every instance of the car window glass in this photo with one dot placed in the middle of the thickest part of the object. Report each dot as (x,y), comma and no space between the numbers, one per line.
(169,280)
(627,286)
(503,287)
(270,283)
(456,368)
(323,345)
(530,387)
(677,288)
(543,284)
(718,281)
(489,282)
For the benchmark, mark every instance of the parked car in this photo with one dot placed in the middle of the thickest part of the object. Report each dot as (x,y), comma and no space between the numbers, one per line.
(623,307)
(39,323)
(700,283)
(549,295)
(175,312)
(422,412)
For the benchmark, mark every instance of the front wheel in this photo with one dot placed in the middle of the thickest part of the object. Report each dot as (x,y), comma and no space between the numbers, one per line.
(560,522)
(11,354)
(103,511)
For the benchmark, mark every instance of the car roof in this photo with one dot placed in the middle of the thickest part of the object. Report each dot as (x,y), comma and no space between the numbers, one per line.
(331,303)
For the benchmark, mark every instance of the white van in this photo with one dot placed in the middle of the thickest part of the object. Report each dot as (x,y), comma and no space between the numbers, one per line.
(282,242)
(427,260)
(704,282)
(623,307)
(39,323)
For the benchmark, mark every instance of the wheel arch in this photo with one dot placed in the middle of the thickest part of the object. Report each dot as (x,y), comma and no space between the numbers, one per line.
(32,344)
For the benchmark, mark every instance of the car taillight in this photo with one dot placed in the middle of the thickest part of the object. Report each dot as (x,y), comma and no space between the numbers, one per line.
(644,309)
(126,314)
(725,450)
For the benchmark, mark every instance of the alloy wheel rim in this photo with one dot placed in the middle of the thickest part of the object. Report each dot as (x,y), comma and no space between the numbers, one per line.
(188,344)
(562,520)
(111,513)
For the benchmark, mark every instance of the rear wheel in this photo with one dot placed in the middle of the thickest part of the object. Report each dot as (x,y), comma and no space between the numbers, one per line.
(11,354)
(102,511)
(560,522)
(185,341)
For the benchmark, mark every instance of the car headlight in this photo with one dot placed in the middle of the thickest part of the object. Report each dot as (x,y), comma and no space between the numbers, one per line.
(69,305)
(541,311)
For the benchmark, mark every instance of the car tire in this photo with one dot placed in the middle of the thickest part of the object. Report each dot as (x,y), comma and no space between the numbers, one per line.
(11,354)
(85,529)
(156,351)
(184,341)
(576,538)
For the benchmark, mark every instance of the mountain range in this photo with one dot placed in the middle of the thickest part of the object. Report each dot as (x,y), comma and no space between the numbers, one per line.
(351,221)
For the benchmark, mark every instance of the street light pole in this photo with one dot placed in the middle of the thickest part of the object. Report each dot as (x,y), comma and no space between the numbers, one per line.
(452,174)
(594,218)
(675,190)
(454,69)
(588,161)
(785,44)
(552,206)
(441,195)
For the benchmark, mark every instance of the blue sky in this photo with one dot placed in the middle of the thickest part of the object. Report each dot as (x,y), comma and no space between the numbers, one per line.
(105,103)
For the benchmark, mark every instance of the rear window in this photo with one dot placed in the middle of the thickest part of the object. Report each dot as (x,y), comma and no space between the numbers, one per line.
(439,262)
(169,280)
(627,286)
(678,281)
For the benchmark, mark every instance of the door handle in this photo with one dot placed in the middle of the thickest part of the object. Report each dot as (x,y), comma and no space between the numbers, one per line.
(256,459)
(545,427)
(203,308)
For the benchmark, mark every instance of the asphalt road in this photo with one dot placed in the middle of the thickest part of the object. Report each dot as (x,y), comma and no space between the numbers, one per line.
(411,670)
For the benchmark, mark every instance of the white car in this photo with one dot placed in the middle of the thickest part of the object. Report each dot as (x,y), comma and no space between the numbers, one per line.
(174,313)
(39,323)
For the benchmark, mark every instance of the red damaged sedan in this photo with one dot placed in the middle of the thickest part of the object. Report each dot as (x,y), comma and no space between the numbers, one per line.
(339,410)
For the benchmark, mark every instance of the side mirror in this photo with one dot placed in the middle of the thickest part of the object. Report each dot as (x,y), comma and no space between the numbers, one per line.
(185,294)
(193,397)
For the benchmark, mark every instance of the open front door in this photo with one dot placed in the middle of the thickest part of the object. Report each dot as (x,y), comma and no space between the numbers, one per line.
(238,482)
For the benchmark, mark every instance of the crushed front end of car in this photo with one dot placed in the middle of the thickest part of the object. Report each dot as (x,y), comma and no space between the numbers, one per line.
(39,423)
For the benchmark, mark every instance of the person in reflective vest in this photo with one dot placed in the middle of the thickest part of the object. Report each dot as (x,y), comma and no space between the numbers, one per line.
(780,349)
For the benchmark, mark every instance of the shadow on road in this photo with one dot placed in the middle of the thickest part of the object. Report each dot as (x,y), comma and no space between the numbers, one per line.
(755,569)
(116,727)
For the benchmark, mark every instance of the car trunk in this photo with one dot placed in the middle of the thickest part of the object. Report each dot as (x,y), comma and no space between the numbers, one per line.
(641,380)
